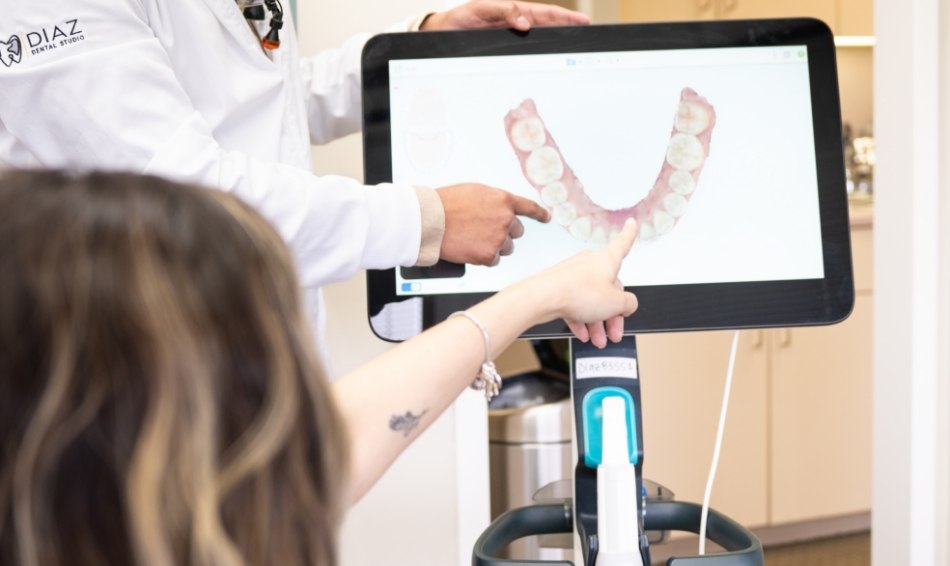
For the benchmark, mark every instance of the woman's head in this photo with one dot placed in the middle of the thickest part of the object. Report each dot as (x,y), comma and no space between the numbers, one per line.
(159,399)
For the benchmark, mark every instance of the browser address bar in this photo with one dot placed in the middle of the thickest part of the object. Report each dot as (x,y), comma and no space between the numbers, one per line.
(792,54)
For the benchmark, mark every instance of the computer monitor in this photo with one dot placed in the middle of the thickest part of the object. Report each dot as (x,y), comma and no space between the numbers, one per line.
(722,139)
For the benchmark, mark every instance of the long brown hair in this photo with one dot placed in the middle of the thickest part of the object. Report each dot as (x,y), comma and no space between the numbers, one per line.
(160,401)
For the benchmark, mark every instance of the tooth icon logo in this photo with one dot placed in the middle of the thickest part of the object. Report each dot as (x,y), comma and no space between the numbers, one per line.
(11,51)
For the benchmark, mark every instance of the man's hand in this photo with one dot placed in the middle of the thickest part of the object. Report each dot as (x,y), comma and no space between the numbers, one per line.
(481,222)
(503,14)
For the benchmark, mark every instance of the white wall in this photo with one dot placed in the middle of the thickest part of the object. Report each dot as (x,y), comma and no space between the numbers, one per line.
(431,505)
(911,498)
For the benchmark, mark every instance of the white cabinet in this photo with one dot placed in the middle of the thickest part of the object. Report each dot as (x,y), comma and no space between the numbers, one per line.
(820,421)
(798,438)
(845,17)
(855,17)
(750,9)
(682,377)
(658,10)
(670,10)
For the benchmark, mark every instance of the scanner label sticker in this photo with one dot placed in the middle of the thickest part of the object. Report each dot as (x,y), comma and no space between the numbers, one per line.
(605,366)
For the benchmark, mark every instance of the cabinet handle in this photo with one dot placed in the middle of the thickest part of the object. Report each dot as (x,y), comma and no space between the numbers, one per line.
(728,6)
(785,337)
(758,338)
(704,5)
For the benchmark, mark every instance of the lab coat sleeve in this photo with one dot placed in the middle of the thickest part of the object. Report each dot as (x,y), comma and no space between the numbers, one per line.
(333,83)
(113,102)
(334,89)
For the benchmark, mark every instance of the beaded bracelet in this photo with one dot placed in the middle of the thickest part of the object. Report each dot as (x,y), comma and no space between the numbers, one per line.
(487,379)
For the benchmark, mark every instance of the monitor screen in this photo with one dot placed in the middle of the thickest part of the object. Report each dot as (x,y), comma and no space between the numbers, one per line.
(712,142)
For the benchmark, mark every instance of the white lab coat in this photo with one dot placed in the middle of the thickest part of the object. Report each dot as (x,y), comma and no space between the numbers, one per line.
(183,89)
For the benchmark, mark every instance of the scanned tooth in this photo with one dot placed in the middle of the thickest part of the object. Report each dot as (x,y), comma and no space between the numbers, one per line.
(598,236)
(528,134)
(675,204)
(553,194)
(685,152)
(646,232)
(559,189)
(565,213)
(682,182)
(544,165)
(662,222)
(691,118)
(580,229)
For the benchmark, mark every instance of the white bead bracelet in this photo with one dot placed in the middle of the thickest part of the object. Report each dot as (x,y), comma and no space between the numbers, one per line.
(487,379)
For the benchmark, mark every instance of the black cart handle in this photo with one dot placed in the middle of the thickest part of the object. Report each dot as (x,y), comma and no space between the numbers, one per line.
(742,547)
(522,522)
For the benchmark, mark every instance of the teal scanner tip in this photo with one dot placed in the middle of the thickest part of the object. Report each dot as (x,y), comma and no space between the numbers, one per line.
(592,415)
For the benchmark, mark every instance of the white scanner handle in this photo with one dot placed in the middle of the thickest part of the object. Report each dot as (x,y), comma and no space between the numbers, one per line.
(618,530)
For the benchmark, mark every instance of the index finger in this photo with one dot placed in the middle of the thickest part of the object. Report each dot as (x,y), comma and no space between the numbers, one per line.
(624,241)
(527,207)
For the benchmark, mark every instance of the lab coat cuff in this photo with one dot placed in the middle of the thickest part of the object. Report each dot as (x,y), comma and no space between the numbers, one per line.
(415,24)
(433,226)
(412,24)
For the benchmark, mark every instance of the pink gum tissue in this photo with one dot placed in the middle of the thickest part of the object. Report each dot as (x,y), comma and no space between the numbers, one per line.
(563,193)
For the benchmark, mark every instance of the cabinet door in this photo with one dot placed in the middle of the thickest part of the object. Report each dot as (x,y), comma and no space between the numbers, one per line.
(821,418)
(862,258)
(682,378)
(569,4)
(666,10)
(752,9)
(855,17)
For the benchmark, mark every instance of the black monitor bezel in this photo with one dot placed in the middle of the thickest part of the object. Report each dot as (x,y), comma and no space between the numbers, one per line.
(707,306)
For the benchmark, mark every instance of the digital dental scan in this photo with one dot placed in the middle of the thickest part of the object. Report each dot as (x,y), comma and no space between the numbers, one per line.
(725,150)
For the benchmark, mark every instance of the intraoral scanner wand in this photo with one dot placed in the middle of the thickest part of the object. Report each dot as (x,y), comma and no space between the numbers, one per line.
(608,492)
(617,522)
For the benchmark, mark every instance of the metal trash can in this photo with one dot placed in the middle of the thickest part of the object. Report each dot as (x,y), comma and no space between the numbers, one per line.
(529,433)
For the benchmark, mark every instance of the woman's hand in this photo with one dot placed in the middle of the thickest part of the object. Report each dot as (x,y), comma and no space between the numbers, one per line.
(586,291)
(503,14)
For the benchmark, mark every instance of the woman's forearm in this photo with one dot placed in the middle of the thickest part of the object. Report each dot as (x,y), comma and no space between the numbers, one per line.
(389,401)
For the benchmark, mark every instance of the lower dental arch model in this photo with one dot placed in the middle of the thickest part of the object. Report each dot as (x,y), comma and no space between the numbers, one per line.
(656,214)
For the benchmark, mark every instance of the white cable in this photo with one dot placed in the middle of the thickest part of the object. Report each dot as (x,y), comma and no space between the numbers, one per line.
(718,448)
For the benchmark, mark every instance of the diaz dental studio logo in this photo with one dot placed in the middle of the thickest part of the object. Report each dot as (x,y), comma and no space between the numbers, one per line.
(65,34)
(11,51)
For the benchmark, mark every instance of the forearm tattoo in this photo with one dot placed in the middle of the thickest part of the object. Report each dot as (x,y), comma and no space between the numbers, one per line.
(405,423)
